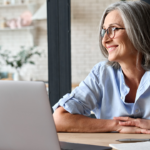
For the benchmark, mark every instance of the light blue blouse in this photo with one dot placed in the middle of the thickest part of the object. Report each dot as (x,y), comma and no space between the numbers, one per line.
(103,91)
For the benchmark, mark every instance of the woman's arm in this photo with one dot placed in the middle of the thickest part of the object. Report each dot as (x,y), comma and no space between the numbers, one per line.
(66,122)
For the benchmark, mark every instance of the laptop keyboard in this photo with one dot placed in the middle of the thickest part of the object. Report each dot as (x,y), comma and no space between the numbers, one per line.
(66,149)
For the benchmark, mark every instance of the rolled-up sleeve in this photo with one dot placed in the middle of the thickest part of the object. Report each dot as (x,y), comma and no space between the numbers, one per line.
(84,98)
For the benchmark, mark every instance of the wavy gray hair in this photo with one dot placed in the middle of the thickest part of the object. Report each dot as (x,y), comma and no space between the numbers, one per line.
(136,19)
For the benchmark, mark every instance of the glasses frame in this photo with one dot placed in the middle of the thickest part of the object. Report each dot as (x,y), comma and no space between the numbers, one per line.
(106,31)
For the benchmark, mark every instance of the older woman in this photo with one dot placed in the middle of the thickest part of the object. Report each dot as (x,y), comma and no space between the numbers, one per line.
(117,90)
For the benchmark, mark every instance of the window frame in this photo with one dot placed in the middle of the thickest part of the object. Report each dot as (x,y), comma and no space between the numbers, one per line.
(59,48)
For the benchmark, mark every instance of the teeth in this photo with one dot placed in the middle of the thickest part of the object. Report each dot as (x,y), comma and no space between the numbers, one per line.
(111,48)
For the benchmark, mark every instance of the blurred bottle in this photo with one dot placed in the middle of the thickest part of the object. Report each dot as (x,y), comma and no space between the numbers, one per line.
(22,1)
(3,23)
(6,2)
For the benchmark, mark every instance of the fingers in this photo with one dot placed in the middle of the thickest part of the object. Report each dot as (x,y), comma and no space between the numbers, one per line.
(127,123)
(133,130)
(122,118)
(144,131)
(136,130)
(134,122)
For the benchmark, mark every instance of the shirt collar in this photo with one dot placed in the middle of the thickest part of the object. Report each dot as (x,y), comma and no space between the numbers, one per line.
(124,89)
(144,84)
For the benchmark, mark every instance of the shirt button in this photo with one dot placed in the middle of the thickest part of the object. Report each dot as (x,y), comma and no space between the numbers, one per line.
(71,95)
(136,110)
(122,97)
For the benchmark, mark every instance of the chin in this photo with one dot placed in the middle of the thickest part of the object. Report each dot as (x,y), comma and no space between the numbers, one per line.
(111,59)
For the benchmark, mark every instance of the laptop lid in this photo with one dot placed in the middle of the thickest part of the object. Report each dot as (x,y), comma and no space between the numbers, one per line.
(26,122)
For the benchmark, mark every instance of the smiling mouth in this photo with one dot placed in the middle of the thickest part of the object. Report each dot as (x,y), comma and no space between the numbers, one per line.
(111,48)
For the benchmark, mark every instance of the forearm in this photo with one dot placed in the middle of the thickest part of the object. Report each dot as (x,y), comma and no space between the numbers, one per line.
(80,123)
(67,122)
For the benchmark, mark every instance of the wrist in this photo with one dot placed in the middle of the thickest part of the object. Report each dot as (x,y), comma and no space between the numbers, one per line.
(115,125)
(111,125)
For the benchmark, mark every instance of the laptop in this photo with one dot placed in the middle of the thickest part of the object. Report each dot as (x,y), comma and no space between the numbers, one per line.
(26,121)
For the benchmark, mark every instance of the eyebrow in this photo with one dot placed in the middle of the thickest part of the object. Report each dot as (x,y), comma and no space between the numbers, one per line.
(113,24)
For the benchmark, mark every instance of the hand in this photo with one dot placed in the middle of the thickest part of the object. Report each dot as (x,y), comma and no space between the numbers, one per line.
(127,121)
(129,129)
(132,130)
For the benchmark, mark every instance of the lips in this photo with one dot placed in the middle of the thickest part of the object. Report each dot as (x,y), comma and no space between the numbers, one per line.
(111,48)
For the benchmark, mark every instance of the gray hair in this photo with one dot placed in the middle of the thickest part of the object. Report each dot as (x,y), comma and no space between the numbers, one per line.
(136,19)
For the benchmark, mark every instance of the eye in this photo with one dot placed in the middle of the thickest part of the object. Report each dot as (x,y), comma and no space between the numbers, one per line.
(103,32)
(114,28)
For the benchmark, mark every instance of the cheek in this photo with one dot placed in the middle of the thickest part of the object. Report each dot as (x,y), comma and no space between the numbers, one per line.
(123,42)
(103,43)
(123,45)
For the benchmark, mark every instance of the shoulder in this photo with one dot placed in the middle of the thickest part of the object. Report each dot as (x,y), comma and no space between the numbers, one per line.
(103,72)
(102,67)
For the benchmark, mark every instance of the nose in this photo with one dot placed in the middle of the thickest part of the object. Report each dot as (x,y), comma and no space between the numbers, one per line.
(106,39)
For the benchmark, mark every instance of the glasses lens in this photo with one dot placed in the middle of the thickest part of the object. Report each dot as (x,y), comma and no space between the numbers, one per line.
(111,32)
(102,33)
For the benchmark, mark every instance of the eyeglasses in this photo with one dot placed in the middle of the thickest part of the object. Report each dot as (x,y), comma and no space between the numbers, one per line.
(110,32)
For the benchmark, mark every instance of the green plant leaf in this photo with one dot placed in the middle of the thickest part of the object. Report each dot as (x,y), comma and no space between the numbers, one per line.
(10,63)
(31,62)
(19,59)
(19,64)
(38,53)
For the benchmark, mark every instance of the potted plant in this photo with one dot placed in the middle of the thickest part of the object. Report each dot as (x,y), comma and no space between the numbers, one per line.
(19,59)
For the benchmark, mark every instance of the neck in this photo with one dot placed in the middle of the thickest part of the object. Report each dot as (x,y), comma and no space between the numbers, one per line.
(133,71)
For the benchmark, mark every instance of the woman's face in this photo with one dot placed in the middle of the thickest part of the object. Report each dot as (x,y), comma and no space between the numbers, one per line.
(119,48)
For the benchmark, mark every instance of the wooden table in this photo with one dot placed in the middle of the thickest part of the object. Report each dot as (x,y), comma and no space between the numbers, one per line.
(103,139)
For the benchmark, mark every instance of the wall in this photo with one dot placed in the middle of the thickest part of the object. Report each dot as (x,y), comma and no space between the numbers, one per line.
(85,20)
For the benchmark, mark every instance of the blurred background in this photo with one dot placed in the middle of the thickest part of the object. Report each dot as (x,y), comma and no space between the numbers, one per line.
(23,39)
